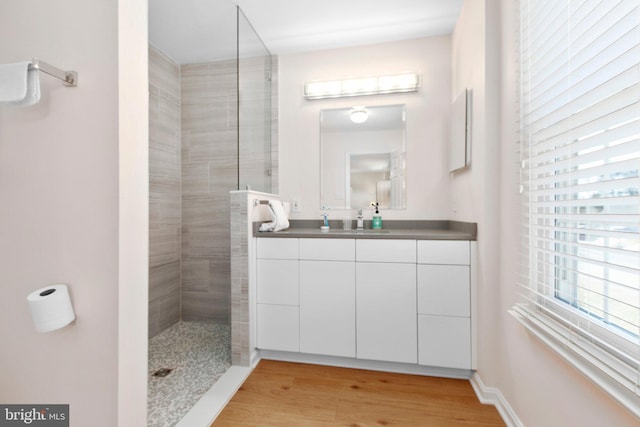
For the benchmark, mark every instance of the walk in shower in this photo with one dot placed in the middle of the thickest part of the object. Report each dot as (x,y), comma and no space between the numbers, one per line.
(210,132)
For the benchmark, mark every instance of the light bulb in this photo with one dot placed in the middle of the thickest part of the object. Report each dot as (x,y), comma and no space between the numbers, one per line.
(359,115)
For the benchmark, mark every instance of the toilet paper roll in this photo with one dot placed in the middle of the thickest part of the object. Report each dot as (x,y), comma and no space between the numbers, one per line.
(51,308)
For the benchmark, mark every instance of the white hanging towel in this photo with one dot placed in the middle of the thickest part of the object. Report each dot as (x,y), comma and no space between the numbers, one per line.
(280,220)
(19,85)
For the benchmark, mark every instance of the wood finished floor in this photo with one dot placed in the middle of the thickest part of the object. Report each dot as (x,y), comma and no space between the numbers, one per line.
(293,394)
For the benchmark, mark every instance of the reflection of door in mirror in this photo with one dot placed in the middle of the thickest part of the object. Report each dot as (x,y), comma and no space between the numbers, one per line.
(369,179)
(363,162)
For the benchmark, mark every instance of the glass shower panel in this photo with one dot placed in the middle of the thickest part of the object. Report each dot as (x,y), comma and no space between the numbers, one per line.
(254,109)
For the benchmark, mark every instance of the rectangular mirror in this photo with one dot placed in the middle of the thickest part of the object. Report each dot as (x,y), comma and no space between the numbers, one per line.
(362,157)
(460,132)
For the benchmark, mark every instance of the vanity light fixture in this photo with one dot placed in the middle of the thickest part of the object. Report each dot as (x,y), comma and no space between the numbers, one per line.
(359,115)
(407,82)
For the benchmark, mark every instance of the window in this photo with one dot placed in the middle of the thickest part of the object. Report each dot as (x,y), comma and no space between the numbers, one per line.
(580,148)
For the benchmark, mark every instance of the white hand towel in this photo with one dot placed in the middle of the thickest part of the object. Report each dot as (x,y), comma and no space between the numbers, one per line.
(280,221)
(13,81)
(33,90)
(19,85)
(279,217)
(267,226)
(287,209)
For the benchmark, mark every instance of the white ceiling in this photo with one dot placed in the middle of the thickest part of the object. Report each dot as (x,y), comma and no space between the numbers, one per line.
(192,31)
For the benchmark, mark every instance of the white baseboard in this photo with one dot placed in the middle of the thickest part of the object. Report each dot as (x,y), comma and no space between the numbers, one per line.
(493,396)
(373,365)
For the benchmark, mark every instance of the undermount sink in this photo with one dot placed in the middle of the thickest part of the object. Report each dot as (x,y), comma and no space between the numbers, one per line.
(354,231)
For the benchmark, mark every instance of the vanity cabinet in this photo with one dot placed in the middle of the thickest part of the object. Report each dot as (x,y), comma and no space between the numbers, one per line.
(444,304)
(327,297)
(391,300)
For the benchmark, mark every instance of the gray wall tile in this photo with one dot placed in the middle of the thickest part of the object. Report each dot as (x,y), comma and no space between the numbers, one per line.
(209,171)
(164,198)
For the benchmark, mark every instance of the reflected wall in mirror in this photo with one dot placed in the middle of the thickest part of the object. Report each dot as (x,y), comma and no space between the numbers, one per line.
(363,162)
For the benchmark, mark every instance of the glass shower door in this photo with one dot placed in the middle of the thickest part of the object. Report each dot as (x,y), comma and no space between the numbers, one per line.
(255,169)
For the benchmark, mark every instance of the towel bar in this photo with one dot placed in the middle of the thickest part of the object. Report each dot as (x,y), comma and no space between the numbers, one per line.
(70,78)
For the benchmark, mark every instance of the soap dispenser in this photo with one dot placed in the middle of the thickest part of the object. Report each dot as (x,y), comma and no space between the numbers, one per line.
(325,223)
(377,219)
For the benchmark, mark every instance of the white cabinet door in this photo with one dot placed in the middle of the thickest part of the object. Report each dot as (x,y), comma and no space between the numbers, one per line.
(386,312)
(444,341)
(444,290)
(278,327)
(277,281)
(328,308)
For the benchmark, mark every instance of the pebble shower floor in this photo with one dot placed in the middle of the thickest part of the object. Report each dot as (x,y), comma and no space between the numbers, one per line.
(197,354)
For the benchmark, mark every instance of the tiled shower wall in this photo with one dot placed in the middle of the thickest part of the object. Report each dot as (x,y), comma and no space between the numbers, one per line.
(164,193)
(209,172)
(193,166)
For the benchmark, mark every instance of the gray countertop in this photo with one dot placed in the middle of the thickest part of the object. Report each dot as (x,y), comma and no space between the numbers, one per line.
(392,229)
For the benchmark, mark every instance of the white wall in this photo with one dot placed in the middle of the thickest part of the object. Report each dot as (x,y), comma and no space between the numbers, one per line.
(427,176)
(59,210)
(133,245)
(541,388)
(474,190)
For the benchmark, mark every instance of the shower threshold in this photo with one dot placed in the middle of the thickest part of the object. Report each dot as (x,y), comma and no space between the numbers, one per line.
(205,411)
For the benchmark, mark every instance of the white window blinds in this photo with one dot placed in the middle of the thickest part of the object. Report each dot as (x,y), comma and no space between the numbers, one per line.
(580,148)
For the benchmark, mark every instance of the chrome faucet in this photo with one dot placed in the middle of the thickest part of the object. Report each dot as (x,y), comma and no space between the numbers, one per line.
(360,223)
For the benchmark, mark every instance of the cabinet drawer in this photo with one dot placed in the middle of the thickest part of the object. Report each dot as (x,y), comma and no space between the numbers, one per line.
(278,327)
(386,250)
(444,252)
(277,248)
(444,290)
(277,281)
(444,341)
(328,249)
